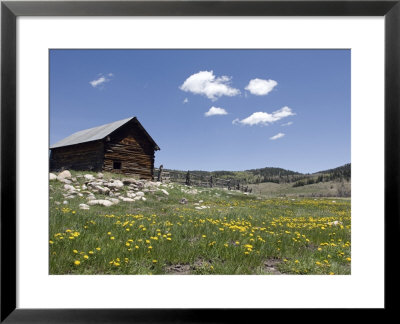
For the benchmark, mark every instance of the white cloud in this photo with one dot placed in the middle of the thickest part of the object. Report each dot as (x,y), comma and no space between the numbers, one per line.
(215,111)
(207,84)
(260,87)
(186,100)
(101,80)
(287,124)
(264,118)
(275,137)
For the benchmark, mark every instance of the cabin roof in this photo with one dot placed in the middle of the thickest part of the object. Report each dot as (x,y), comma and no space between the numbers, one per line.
(99,133)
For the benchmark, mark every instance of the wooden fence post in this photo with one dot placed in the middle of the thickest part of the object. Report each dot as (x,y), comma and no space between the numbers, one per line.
(159,178)
(187,179)
(211,181)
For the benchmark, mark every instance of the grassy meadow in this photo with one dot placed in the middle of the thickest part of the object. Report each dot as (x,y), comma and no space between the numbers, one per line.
(324,189)
(216,232)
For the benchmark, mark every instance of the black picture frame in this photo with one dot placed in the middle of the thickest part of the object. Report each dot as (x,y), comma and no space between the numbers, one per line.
(10,10)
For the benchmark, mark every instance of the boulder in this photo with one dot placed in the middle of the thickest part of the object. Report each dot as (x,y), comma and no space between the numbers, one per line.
(127,199)
(102,190)
(140,194)
(183,201)
(131,194)
(113,200)
(165,192)
(69,187)
(114,184)
(64,181)
(64,175)
(129,181)
(151,184)
(100,175)
(84,206)
(89,177)
(101,202)
(95,183)
(52,177)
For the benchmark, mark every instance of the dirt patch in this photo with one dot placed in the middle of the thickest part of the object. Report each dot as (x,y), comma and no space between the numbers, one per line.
(311,246)
(184,269)
(271,266)
(178,269)
(200,263)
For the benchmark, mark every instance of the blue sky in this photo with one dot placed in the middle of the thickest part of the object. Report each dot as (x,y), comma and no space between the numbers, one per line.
(212,109)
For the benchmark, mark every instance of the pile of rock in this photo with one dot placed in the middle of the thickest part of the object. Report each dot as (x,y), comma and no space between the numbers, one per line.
(126,190)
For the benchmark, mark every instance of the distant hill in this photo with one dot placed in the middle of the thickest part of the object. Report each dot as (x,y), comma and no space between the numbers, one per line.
(343,171)
(268,174)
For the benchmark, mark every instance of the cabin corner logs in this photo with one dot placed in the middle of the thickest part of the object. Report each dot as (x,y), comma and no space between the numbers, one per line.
(129,150)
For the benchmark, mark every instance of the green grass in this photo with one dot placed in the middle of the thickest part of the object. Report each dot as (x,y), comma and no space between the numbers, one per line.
(238,234)
(325,189)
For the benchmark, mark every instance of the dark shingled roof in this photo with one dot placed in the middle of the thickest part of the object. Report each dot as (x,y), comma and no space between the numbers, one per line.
(98,133)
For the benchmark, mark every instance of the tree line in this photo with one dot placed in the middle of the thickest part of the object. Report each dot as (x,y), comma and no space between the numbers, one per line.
(269,174)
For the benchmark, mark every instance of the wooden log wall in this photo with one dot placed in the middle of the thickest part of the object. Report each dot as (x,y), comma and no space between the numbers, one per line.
(84,156)
(132,148)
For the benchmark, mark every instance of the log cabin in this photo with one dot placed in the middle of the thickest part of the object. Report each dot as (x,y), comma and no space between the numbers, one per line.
(123,147)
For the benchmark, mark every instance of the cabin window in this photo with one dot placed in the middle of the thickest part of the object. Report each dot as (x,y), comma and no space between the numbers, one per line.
(116,165)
